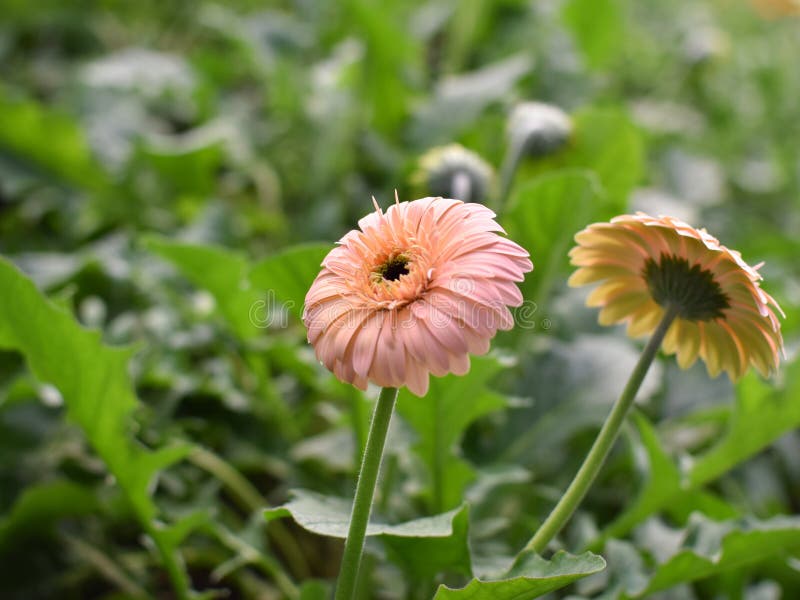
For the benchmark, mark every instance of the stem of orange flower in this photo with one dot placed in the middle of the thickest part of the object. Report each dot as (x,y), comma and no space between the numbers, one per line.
(365,490)
(605,440)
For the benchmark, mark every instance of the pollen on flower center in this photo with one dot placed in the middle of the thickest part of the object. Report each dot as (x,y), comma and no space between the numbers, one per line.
(394,268)
(671,280)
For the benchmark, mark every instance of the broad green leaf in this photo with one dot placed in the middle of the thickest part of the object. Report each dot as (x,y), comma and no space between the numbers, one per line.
(712,548)
(40,506)
(531,577)
(330,516)
(220,271)
(422,547)
(288,274)
(608,143)
(427,557)
(440,419)
(387,57)
(543,216)
(598,29)
(48,140)
(97,391)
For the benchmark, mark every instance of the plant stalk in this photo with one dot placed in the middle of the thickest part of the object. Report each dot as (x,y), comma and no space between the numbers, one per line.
(365,490)
(605,440)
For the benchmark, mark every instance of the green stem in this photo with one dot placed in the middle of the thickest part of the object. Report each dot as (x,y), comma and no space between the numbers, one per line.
(365,490)
(508,170)
(605,440)
(173,563)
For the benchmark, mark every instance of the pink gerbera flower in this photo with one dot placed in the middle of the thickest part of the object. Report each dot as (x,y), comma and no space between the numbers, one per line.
(414,292)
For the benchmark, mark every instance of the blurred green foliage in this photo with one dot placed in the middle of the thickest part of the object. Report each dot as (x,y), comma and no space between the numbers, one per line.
(171,175)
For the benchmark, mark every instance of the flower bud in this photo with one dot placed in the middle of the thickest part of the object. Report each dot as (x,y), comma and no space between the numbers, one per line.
(452,171)
(540,129)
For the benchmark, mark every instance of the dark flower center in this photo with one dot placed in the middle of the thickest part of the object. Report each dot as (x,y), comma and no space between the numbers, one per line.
(393,268)
(692,289)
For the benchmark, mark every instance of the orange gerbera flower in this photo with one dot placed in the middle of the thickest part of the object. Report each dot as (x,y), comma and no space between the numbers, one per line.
(414,292)
(647,263)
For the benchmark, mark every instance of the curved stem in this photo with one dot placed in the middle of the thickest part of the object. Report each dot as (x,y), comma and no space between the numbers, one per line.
(365,490)
(605,440)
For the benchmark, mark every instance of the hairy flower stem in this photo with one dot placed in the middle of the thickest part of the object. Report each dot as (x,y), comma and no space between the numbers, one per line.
(605,440)
(365,490)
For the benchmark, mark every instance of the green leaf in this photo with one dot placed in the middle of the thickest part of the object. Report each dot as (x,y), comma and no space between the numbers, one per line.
(330,516)
(598,28)
(422,547)
(531,577)
(429,556)
(608,143)
(188,164)
(49,140)
(94,382)
(543,216)
(762,414)
(289,273)
(40,506)
(440,419)
(220,271)
(712,547)
(663,490)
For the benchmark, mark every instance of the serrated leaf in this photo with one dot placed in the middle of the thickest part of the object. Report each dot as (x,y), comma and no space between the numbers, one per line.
(711,548)
(531,577)
(48,140)
(440,419)
(97,391)
(543,216)
(220,271)
(422,547)
(289,273)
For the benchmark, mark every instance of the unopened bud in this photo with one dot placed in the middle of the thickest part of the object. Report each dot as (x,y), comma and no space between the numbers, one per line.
(452,171)
(539,129)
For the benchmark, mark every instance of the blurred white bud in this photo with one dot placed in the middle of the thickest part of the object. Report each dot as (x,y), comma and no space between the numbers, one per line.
(452,171)
(539,128)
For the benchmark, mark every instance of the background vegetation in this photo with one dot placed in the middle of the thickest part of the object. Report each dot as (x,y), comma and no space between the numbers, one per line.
(171,174)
